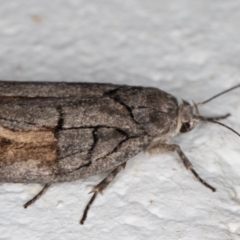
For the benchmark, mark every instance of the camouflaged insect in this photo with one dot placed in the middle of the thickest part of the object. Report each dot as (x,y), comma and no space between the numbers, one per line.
(58,132)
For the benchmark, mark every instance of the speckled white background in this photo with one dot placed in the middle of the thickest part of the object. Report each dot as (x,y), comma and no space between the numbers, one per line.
(190,49)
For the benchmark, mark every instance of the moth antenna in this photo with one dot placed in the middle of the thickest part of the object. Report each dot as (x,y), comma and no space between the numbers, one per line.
(219,94)
(202,119)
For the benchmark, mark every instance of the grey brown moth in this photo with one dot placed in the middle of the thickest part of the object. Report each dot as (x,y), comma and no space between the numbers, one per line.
(58,132)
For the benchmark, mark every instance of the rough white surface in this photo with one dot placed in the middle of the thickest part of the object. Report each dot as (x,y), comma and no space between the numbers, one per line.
(188,48)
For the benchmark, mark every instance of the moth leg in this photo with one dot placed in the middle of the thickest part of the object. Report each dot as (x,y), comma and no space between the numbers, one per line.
(217,118)
(157,148)
(33,200)
(100,187)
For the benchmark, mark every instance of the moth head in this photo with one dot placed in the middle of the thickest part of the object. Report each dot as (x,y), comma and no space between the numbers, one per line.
(188,115)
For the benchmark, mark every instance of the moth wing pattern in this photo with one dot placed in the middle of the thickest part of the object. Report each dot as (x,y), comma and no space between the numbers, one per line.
(50,139)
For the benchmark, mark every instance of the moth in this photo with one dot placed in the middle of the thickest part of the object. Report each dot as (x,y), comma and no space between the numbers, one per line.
(61,132)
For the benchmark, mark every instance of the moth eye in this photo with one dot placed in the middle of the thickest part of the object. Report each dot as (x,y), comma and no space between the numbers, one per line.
(185,127)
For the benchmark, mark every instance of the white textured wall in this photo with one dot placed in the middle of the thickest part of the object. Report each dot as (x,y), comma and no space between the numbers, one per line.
(188,48)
